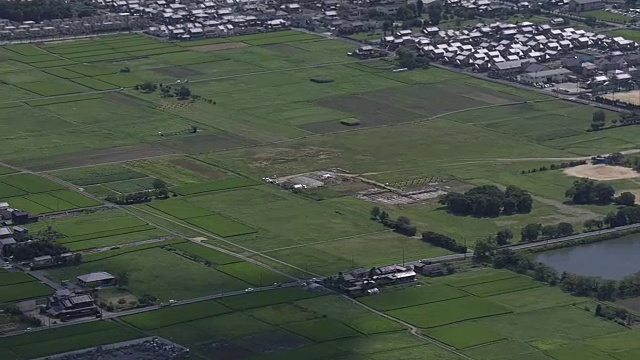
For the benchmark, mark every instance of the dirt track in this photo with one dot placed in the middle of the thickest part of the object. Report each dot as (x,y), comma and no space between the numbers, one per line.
(601,172)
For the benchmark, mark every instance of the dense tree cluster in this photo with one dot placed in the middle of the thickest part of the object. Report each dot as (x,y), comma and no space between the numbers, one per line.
(586,191)
(28,250)
(401,225)
(443,241)
(40,10)
(139,197)
(534,232)
(625,216)
(488,201)
(408,60)
(598,120)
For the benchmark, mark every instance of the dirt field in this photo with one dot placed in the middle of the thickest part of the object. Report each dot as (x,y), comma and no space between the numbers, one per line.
(601,172)
(218,47)
(178,71)
(198,167)
(632,97)
(95,157)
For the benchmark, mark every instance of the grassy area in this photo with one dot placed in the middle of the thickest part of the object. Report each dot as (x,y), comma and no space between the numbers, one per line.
(629,34)
(609,16)
(175,315)
(464,335)
(181,278)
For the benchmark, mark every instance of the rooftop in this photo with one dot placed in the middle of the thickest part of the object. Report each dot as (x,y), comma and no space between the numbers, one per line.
(96,276)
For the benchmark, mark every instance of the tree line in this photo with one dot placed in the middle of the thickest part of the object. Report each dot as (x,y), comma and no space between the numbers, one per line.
(443,241)
(563,165)
(40,10)
(579,285)
(401,225)
(488,201)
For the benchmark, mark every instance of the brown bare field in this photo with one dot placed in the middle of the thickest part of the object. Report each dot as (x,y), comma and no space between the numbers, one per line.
(218,47)
(631,97)
(96,157)
(601,172)
(198,167)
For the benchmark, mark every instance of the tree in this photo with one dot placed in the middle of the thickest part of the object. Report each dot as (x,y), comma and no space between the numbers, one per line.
(626,199)
(375,212)
(435,13)
(530,232)
(184,93)
(604,193)
(384,217)
(591,21)
(503,236)
(484,249)
(593,224)
(598,120)
(524,204)
(405,13)
(509,206)
(387,25)
(407,59)
(159,184)
(565,229)
(616,158)
(549,231)
(419,7)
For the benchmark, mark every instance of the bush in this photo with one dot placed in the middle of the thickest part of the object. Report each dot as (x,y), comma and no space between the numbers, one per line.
(321,80)
(350,122)
(443,241)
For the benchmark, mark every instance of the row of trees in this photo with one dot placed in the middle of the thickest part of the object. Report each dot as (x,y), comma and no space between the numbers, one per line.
(563,165)
(40,10)
(443,241)
(534,232)
(599,119)
(182,93)
(606,290)
(401,225)
(488,201)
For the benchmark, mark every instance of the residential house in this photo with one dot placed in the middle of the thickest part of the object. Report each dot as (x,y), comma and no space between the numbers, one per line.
(65,304)
(5,232)
(432,270)
(20,233)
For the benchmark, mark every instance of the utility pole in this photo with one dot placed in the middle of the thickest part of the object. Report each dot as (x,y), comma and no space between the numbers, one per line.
(402,256)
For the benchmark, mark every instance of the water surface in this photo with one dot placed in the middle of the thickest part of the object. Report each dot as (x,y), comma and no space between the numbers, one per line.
(610,259)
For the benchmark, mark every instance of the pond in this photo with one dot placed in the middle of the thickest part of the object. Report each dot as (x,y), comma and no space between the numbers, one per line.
(610,259)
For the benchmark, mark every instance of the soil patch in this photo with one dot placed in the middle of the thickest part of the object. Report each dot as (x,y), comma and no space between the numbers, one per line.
(198,167)
(177,71)
(218,47)
(285,49)
(128,100)
(601,172)
(631,97)
(370,112)
(488,98)
(196,144)
(225,350)
(96,157)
